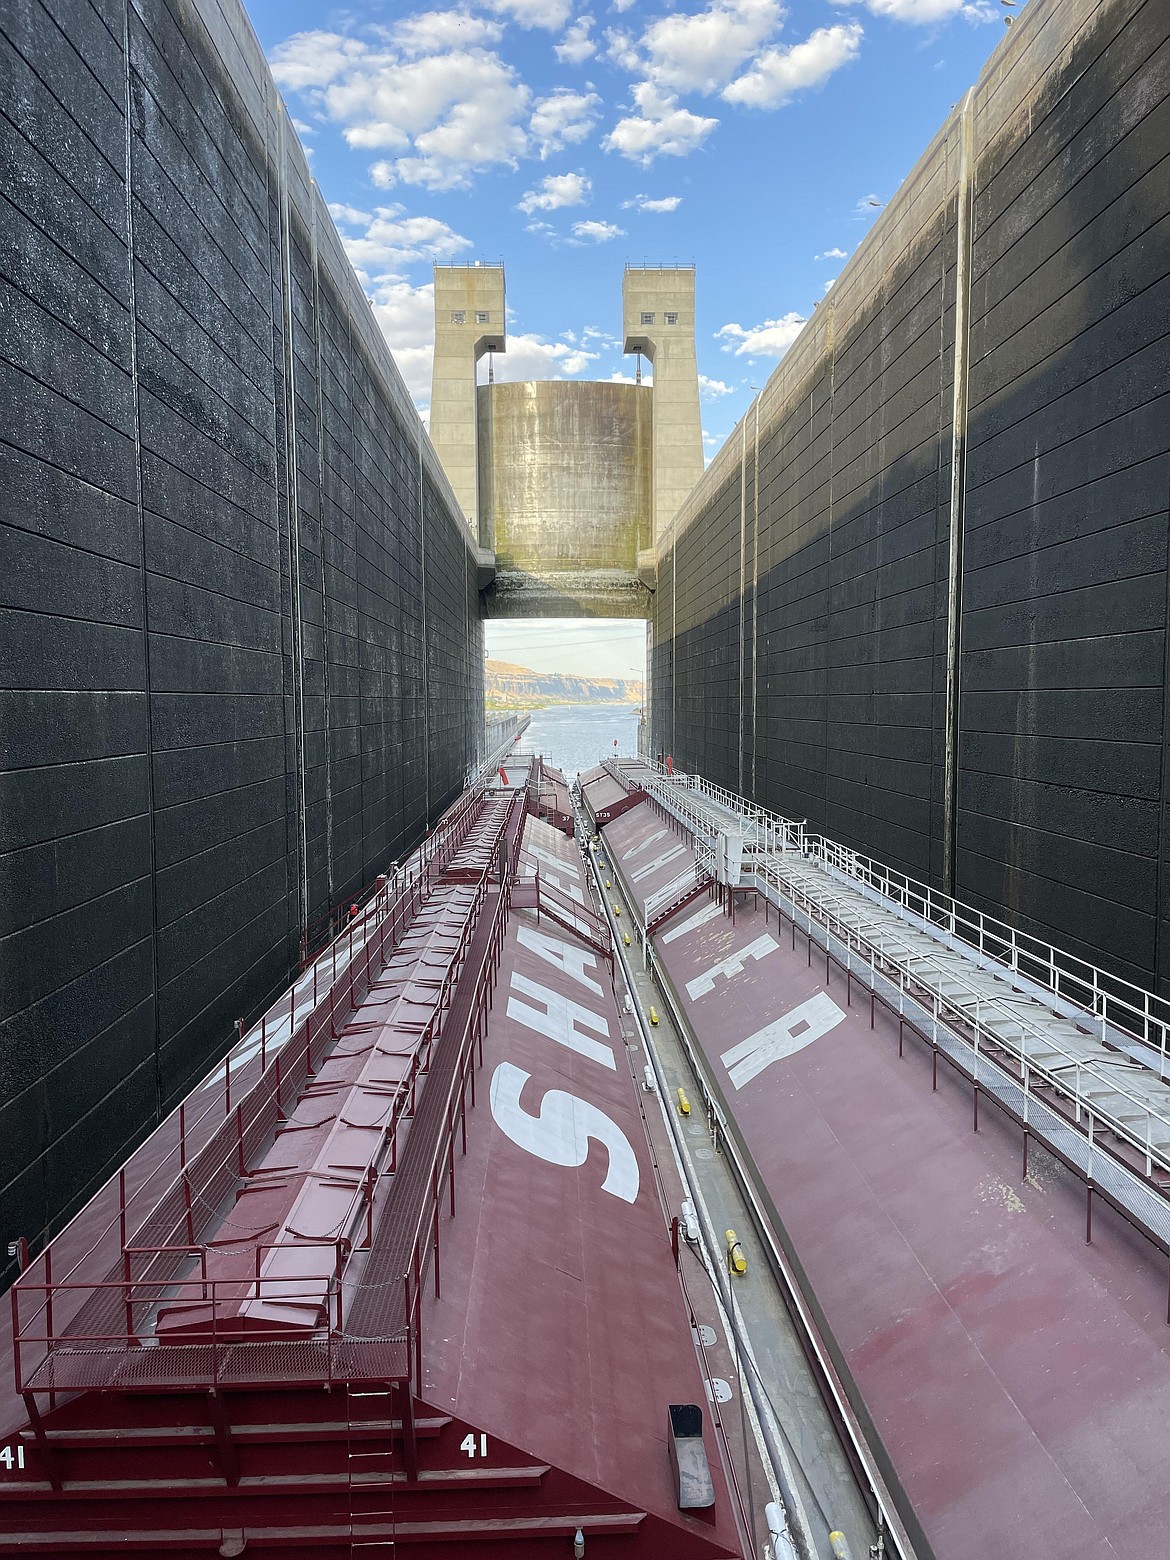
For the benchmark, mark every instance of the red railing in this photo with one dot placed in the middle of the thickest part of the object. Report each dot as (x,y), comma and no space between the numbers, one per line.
(213,1140)
(128,1358)
(383,1154)
(423,1250)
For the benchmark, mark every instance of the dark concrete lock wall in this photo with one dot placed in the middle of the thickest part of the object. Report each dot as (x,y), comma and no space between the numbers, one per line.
(810,602)
(240,648)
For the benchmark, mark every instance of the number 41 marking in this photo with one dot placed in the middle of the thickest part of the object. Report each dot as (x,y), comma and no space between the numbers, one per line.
(15,1458)
(466,1445)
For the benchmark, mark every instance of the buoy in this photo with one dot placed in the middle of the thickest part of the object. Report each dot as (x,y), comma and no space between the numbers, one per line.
(736,1261)
(684,1105)
(653,1015)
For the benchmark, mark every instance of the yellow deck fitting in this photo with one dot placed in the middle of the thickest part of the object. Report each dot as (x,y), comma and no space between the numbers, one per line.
(736,1261)
(608,884)
(626,938)
(653,1015)
(617,909)
(684,1105)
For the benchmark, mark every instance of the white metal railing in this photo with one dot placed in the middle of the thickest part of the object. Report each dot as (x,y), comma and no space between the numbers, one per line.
(875,920)
(919,977)
(684,795)
(1111,999)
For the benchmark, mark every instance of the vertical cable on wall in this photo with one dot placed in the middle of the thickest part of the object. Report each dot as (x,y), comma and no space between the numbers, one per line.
(742,587)
(964,204)
(294,518)
(422,570)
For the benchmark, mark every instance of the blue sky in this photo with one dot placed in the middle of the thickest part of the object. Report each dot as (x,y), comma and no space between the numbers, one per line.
(755,138)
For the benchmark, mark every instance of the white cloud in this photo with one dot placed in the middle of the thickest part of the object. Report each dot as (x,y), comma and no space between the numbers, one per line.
(644,203)
(550,14)
(432,32)
(562,119)
(393,239)
(443,115)
(303,129)
(406,315)
(577,46)
(831,254)
(531,357)
(348,214)
(313,59)
(660,128)
(923,12)
(700,53)
(778,73)
(559,189)
(771,339)
(621,49)
(621,5)
(619,377)
(713,388)
(597,232)
(868,206)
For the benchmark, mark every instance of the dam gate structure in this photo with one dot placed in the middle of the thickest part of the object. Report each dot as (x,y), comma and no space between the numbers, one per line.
(567,484)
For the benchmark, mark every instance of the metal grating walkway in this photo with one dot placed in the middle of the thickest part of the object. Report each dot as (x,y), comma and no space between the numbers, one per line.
(1103,1081)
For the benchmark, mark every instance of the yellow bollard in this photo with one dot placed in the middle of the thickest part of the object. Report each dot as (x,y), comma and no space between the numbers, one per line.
(617,909)
(653,1015)
(626,938)
(608,884)
(684,1105)
(736,1261)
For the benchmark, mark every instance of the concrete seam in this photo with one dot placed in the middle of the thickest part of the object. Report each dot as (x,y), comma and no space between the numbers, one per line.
(294,515)
(742,584)
(320,437)
(755,585)
(1161,935)
(426,690)
(128,140)
(963,247)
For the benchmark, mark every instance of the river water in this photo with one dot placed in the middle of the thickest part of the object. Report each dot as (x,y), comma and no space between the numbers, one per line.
(575,737)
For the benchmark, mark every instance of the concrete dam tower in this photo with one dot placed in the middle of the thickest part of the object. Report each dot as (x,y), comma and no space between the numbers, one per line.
(568,484)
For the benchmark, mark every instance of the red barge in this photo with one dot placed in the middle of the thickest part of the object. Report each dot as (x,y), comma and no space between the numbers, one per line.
(398,1276)
(998,1317)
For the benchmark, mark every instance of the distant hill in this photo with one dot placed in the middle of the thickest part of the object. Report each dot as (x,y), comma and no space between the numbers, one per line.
(517,687)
